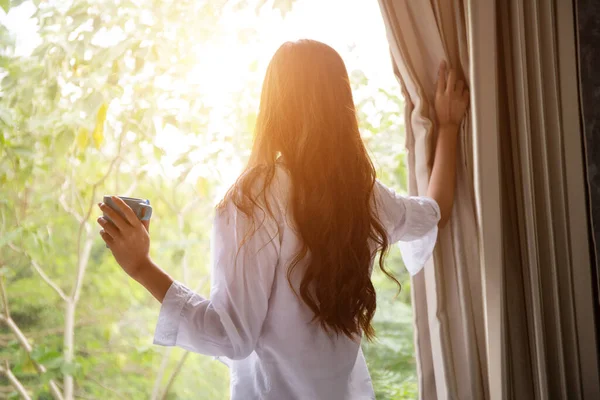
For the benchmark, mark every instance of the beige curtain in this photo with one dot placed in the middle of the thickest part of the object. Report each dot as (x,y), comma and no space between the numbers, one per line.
(504,309)
(447,295)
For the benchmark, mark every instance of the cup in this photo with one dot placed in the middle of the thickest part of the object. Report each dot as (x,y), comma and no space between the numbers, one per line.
(141,207)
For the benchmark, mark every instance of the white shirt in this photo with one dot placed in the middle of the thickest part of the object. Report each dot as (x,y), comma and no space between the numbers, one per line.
(254,322)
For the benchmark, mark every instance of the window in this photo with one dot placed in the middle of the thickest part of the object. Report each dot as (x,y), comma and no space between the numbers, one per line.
(157,100)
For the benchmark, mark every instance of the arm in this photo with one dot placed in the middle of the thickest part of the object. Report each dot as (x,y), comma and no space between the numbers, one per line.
(230,321)
(129,240)
(451,101)
(443,174)
(154,279)
(411,221)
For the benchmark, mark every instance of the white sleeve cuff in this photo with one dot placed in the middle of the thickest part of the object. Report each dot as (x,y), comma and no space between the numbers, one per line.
(418,243)
(169,317)
(416,253)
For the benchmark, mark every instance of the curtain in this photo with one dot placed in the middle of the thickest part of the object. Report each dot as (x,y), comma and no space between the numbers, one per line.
(504,310)
(551,348)
(447,295)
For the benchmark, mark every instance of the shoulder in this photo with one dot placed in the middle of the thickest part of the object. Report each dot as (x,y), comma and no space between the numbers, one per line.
(386,198)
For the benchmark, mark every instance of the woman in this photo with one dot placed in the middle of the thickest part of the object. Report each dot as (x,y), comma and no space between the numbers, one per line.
(296,237)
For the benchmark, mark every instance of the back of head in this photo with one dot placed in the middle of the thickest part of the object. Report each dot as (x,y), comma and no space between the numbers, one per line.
(307,120)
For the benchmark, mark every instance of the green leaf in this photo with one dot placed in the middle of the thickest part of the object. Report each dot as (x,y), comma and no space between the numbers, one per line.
(47,376)
(6,117)
(7,238)
(52,91)
(55,362)
(70,368)
(28,366)
(83,138)
(98,136)
(202,186)
(139,64)
(5,4)
(93,101)
(23,151)
(183,159)
(284,6)
(158,152)
(48,357)
(358,77)
(101,115)
(37,352)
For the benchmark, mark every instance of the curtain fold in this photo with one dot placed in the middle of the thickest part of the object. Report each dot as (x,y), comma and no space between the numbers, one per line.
(551,349)
(447,295)
(504,310)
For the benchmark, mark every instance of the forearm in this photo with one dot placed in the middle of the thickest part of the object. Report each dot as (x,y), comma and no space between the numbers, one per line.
(154,279)
(443,174)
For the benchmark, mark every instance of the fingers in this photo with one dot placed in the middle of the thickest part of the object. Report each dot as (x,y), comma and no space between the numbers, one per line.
(126,210)
(109,227)
(441,83)
(117,219)
(451,81)
(452,84)
(106,237)
(146,223)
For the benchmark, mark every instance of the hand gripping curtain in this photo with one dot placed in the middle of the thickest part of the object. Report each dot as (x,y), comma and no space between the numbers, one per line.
(447,295)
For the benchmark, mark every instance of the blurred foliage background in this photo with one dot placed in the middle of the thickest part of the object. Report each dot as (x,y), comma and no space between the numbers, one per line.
(110,99)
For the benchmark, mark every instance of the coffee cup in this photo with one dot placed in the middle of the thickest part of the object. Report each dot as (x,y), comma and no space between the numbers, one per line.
(141,207)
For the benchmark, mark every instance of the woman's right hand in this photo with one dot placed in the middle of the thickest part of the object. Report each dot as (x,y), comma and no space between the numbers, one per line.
(451,98)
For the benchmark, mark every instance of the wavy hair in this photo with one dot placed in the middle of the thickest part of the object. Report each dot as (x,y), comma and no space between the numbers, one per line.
(308,120)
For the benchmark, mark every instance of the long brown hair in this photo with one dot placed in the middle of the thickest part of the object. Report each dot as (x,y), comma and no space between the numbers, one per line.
(307,119)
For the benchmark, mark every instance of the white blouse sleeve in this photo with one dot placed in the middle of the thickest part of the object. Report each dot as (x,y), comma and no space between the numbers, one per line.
(410,220)
(229,323)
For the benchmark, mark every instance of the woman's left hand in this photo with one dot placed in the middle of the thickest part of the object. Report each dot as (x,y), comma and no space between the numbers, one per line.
(451,98)
(128,238)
